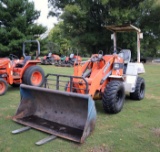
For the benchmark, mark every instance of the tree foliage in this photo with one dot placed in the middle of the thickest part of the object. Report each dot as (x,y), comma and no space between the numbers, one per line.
(56,35)
(84,22)
(17,19)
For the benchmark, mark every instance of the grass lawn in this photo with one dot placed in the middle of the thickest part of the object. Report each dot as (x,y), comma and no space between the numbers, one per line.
(135,129)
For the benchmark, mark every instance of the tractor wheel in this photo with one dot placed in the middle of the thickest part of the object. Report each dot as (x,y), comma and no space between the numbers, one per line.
(51,61)
(45,62)
(34,76)
(139,92)
(3,87)
(113,97)
(42,61)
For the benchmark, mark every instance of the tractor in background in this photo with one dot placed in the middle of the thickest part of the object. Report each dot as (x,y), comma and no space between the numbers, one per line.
(69,61)
(51,58)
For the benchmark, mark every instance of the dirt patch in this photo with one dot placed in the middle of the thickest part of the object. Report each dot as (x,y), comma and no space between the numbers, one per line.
(8,117)
(139,125)
(7,149)
(102,148)
(156,131)
(150,96)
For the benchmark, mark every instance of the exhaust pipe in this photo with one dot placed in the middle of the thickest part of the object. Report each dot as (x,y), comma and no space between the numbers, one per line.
(64,114)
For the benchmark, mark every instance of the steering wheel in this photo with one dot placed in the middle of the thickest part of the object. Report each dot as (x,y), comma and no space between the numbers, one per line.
(115,50)
(13,57)
(97,57)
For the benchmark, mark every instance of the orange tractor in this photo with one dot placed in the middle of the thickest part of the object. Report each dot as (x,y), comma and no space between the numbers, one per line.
(51,58)
(14,71)
(71,113)
(69,61)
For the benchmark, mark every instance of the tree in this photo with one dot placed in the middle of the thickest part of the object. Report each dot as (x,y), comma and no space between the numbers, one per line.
(17,18)
(85,21)
(81,29)
(56,35)
(150,24)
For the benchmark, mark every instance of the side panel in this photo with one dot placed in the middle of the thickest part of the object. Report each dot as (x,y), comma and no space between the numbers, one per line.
(132,72)
(135,68)
(130,83)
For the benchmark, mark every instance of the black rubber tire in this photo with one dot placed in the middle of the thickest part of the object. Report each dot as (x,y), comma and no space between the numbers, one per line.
(139,92)
(28,74)
(43,62)
(51,61)
(113,97)
(5,85)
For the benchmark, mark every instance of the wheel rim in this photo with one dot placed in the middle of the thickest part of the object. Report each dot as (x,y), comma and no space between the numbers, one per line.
(36,78)
(2,87)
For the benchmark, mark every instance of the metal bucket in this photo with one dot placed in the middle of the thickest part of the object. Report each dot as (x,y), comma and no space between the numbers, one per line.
(64,114)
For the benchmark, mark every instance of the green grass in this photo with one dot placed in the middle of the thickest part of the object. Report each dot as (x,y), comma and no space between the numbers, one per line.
(135,129)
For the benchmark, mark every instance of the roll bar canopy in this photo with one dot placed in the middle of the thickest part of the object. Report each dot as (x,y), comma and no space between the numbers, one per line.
(126,28)
(31,41)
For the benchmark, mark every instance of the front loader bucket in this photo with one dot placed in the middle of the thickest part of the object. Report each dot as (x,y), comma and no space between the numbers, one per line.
(64,114)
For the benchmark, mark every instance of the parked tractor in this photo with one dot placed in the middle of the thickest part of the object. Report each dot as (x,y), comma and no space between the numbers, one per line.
(71,114)
(14,71)
(51,58)
(69,61)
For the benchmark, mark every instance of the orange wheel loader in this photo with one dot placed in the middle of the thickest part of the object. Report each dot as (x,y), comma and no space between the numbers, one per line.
(14,71)
(65,107)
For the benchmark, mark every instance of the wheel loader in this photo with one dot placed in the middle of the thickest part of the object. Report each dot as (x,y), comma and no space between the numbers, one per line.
(65,106)
(14,71)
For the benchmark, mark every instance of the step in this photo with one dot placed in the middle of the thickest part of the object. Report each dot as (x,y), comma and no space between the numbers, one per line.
(16,77)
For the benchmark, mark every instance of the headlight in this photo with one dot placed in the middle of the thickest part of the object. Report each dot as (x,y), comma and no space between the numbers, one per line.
(3,76)
(117,66)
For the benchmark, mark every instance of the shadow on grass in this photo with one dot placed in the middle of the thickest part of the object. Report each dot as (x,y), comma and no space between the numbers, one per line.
(12,89)
(99,107)
(128,100)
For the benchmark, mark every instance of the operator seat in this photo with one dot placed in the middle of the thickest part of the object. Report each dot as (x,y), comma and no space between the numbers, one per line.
(20,65)
(126,55)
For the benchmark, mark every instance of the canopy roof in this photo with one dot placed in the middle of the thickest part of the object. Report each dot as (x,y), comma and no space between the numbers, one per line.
(123,28)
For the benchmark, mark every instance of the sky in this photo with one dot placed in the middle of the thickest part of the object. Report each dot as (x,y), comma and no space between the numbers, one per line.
(42,5)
